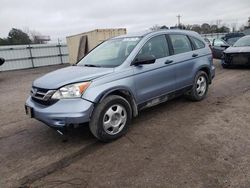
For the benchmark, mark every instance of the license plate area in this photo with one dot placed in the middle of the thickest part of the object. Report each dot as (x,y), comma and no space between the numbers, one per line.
(29,111)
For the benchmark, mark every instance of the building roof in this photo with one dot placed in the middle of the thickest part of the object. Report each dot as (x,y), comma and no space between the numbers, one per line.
(97,30)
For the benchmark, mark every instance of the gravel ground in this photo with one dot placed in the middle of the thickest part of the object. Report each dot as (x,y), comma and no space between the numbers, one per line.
(175,144)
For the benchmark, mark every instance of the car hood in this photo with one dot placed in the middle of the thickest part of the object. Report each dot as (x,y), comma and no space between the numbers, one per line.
(233,49)
(68,75)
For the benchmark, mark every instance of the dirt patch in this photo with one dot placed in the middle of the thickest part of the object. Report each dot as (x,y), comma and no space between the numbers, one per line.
(176,144)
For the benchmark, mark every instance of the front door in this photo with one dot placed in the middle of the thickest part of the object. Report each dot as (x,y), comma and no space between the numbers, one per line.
(157,79)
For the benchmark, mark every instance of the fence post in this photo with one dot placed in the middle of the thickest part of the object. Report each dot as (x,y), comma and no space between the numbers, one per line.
(31,57)
(60,51)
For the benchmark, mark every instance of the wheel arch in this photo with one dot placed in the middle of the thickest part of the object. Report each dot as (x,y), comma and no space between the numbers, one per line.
(206,69)
(125,93)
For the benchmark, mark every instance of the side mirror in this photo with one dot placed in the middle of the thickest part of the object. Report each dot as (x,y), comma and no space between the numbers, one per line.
(2,60)
(145,59)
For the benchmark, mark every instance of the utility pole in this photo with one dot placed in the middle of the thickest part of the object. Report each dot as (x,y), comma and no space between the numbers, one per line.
(179,20)
(218,22)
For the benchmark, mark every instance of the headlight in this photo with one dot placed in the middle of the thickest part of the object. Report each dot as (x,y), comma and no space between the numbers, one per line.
(71,91)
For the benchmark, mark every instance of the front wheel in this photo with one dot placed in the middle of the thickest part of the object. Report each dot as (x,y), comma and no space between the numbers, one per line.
(111,118)
(200,87)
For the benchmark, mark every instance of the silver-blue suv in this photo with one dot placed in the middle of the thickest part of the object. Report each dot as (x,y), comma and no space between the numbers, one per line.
(120,77)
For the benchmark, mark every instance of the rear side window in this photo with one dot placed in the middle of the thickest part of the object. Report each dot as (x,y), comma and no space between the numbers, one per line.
(156,46)
(198,44)
(181,43)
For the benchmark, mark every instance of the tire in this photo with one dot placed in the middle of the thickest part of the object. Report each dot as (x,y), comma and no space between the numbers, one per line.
(111,118)
(200,87)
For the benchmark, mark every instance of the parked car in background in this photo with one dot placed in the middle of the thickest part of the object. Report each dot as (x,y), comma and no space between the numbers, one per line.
(231,41)
(120,77)
(218,46)
(2,60)
(231,38)
(238,54)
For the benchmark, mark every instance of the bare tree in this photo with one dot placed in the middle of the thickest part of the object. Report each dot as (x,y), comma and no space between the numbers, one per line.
(234,26)
(205,28)
(218,22)
(32,34)
(155,27)
(242,27)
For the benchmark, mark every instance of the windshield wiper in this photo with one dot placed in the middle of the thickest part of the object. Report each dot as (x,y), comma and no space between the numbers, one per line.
(91,65)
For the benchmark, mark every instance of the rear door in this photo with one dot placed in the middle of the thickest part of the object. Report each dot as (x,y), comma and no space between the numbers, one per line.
(154,80)
(184,59)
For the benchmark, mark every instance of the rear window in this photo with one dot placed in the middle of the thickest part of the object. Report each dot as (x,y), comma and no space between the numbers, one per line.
(198,44)
(181,43)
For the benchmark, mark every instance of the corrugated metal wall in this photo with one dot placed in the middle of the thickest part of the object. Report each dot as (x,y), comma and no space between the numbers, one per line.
(29,56)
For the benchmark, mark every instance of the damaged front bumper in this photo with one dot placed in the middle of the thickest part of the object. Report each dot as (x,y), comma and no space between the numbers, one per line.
(236,59)
(62,114)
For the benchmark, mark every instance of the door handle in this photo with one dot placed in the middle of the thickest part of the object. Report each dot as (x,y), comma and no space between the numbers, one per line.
(168,61)
(194,55)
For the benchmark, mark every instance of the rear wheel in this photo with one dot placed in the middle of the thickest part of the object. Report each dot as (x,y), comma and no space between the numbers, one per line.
(200,87)
(111,118)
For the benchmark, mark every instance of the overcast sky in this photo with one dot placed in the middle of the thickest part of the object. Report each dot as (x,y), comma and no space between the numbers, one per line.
(60,18)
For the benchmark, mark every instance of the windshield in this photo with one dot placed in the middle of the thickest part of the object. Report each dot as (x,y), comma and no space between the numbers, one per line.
(244,41)
(231,41)
(110,53)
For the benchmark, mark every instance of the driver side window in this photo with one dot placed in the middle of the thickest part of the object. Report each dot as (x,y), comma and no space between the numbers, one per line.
(156,46)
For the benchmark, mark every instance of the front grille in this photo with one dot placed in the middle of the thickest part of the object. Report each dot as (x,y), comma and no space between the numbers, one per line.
(237,58)
(228,58)
(45,103)
(42,96)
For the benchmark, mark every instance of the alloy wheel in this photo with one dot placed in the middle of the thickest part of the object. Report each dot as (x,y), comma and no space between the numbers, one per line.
(114,119)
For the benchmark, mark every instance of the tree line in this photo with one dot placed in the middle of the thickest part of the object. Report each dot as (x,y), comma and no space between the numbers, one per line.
(204,28)
(18,36)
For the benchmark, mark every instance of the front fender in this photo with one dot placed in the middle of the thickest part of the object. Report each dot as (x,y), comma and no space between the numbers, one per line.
(98,91)
(98,94)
